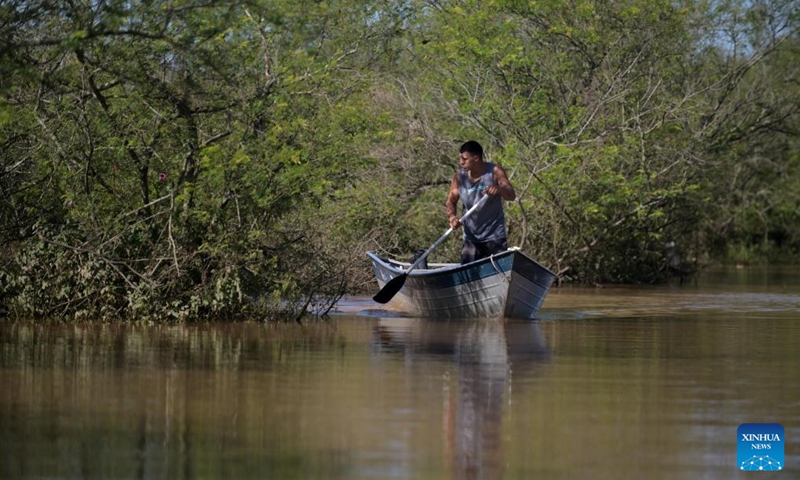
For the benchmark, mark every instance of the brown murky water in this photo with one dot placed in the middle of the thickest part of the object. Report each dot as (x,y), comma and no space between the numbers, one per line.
(610,383)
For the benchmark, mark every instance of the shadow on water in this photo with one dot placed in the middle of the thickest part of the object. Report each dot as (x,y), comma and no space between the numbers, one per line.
(486,354)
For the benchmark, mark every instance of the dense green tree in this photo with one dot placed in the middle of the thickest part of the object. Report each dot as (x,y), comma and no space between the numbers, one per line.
(158,154)
(228,159)
(614,119)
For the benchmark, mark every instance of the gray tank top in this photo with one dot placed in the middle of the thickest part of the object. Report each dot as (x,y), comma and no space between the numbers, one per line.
(488,222)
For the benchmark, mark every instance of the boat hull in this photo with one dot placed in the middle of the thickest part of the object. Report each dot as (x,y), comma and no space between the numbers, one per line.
(509,284)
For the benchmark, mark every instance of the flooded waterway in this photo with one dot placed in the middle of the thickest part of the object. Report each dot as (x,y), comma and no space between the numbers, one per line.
(609,383)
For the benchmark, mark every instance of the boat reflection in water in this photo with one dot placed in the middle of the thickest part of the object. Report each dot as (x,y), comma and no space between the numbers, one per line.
(486,355)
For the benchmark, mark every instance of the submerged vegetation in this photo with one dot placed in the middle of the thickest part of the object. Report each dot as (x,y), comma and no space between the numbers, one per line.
(236,159)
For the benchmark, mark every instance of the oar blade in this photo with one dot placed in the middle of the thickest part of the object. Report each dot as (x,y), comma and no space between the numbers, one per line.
(390,289)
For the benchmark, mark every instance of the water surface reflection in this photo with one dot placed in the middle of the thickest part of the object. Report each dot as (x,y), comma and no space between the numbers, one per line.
(484,355)
(612,383)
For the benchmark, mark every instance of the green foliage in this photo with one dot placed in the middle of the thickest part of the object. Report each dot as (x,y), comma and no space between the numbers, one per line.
(173,146)
(615,138)
(230,160)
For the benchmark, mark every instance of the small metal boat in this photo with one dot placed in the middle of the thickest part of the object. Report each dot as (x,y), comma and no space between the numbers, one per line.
(508,284)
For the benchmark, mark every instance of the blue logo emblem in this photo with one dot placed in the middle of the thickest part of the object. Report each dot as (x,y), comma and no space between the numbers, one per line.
(760,447)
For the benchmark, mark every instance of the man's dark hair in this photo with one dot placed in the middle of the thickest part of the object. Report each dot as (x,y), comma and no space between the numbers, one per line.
(472,147)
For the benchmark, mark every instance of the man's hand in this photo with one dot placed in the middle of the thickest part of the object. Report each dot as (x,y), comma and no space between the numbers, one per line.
(492,190)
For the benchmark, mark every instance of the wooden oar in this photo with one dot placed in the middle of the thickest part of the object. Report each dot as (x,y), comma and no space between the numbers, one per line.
(394,285)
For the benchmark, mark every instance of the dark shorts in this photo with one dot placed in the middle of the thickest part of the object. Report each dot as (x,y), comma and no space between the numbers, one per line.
(472,251)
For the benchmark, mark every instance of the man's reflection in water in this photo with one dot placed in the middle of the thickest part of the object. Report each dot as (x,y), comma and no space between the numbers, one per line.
(485,354)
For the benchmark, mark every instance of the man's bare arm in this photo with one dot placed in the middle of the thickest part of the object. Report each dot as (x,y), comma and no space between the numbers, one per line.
(502,186)
(451,205)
